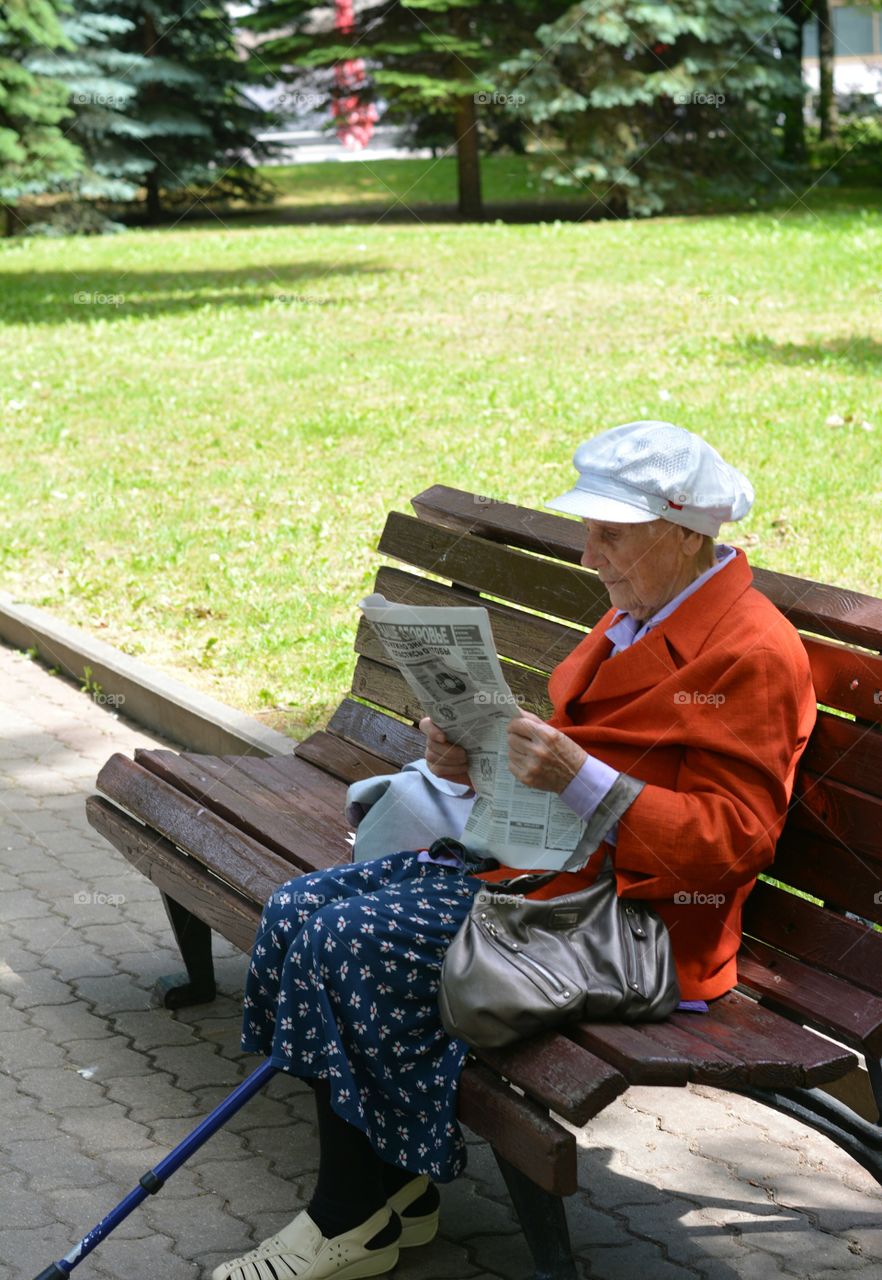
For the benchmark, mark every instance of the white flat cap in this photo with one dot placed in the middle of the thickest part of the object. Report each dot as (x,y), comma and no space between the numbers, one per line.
(654,470)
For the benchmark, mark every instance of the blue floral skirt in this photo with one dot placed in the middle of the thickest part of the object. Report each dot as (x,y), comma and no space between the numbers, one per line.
(343,986)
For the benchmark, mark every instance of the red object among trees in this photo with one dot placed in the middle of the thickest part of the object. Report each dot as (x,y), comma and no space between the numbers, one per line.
(355,119)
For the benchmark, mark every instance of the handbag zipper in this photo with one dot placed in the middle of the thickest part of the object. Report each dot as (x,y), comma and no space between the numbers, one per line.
(553,981)
(633,927)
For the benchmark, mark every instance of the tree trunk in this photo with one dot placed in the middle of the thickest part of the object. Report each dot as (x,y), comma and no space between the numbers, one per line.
(827,113)
(154,204)
(468,160)
(794,122)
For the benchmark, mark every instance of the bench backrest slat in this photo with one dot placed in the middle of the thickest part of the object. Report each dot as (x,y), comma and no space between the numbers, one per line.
(341,759)
(559,590)
(839,814)
(845,751)
(834,873)
(524,637)
(808,932)
(846,678)
(385,737)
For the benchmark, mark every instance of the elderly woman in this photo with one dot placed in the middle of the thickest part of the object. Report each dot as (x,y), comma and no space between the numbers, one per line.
(677,728)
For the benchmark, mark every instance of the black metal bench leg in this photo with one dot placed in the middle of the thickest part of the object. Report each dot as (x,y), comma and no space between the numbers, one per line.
(193,937)
(544,1220)
(874,1070)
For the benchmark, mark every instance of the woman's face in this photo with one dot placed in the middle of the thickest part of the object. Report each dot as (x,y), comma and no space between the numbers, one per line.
(642,566)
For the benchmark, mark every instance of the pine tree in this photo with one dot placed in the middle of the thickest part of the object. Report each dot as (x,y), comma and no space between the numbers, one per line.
(159,90)
(191,93)
(103,96)
(35,154)
(436,57)
(644,104)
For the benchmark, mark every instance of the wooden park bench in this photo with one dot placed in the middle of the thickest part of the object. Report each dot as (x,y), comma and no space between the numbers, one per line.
(218,834)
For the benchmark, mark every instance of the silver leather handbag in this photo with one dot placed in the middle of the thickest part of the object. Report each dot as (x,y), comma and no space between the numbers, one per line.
(520,965)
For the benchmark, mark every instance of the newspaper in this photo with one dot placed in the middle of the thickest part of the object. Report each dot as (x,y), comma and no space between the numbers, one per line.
(448,658)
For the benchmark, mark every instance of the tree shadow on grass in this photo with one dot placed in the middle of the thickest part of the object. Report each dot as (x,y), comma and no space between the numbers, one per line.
(53,297)
(860,351)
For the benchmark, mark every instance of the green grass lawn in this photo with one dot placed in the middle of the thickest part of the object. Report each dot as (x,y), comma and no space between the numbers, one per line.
(504,178)
(196,461)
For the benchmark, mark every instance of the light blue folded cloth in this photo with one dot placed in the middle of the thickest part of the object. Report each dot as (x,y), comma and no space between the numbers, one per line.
(410,809)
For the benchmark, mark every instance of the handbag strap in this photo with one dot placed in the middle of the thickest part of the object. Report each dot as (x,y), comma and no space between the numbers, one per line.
(530,880)
(524,883)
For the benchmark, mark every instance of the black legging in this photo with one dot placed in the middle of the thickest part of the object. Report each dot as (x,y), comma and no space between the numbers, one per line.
(353,1181)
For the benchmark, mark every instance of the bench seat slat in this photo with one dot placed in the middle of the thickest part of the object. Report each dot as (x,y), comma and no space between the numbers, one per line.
(810,606)
(559,1073)
(232,915)
(738,1043)
(226,786)
(661,1053)
(243,862)
(293,787)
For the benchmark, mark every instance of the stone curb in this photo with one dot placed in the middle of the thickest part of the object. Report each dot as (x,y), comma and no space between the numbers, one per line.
(150,698)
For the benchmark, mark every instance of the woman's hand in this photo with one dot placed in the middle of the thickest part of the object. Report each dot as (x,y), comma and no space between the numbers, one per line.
(540,756)
(444,758)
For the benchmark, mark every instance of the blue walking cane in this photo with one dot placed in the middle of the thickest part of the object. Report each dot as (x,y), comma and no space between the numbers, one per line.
(151,1181)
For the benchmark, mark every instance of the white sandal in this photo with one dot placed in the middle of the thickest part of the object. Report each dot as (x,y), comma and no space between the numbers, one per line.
(300,1250)
(415,1230)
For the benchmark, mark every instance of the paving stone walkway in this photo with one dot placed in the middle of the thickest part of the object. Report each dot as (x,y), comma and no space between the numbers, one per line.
(97,1085)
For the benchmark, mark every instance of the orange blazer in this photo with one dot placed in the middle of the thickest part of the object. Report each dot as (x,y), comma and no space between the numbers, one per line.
(712,710)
